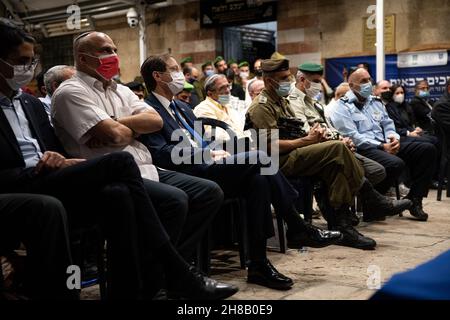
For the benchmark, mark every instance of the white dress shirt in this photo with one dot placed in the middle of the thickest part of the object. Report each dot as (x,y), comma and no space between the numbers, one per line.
(81,102)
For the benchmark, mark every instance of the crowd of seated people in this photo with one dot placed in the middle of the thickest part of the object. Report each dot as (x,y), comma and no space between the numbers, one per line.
(93,152)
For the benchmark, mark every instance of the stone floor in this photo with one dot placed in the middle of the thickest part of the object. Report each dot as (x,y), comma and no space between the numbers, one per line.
(342,273)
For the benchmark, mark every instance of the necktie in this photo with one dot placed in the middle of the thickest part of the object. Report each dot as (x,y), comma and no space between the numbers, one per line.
(197,137)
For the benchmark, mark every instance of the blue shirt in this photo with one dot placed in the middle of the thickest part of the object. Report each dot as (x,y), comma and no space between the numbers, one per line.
(29,146)
(368,127)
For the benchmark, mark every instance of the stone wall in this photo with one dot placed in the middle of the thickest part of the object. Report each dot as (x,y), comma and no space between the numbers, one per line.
(307,30)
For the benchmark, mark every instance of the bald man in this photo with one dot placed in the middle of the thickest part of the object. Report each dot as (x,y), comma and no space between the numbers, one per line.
(363,117)
(93,116)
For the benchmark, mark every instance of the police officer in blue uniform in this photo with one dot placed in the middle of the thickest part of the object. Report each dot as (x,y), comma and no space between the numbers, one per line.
(364,119)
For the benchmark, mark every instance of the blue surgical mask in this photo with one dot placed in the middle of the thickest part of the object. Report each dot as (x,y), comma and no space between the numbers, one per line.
(224,99)
(365,90)
(424,94)
(284,88)
(209,73)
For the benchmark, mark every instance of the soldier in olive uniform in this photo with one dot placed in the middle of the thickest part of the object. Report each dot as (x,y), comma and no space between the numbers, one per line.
(311,111)
(311,155)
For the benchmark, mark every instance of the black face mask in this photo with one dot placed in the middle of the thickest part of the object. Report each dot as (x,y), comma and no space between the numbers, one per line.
(387,95)
(258,72)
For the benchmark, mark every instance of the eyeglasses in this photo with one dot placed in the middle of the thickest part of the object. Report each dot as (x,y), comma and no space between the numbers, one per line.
(26,67)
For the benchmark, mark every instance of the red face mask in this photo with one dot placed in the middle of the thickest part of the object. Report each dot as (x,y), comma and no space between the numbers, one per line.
(109,65)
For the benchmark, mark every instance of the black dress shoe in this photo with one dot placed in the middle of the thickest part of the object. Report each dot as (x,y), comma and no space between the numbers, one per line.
(416,210)
(199,287)
(354,239)
(265,274)
(313,237)
(390,208)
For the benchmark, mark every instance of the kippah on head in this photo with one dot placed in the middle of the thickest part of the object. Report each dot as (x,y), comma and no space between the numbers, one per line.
(274,65)
(231,61)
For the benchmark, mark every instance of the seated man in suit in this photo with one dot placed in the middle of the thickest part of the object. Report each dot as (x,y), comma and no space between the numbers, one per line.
(93,116)
(241,180)
(422,105)
(40,222)
(108,190)
(441,114)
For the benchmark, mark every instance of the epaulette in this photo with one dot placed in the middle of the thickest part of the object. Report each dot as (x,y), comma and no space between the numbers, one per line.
(262,99)
(345,99)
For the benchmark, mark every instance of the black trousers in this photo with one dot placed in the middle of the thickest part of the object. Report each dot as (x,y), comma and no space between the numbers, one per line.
(186,206)
(243,179)
(418,156)
(40,222)
(108,190)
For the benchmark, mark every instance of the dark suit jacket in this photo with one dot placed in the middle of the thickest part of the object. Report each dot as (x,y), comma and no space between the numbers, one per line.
(422,113)
(12,165)
(403,117)
(160,143)
(441,114)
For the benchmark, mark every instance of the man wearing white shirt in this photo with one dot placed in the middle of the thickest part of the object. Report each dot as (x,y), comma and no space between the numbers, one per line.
(93,116)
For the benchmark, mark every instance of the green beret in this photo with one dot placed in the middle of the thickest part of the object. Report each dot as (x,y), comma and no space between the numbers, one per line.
(244,64)
(311,67)
(274,65)
(188,87)
(187,59)
(277,56)
(218,59)
(231,61)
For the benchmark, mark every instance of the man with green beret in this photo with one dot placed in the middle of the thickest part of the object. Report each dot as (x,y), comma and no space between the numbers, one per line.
(220,64)
(325,93)
(233,65)
(185,94)
(244,74)
(311,154)
(310,111)
(186,63)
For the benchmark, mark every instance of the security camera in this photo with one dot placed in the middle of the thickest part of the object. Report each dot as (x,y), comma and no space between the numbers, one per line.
(132,18)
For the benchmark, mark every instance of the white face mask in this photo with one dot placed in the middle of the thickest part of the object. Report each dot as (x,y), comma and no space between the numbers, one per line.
(177,83)
(23,74)
(399,98)
(244,75)
(313,90)
(224,99)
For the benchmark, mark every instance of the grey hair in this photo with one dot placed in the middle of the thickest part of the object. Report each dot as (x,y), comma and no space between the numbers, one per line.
(299,75)
(210,82)
(55,74)
(252,84)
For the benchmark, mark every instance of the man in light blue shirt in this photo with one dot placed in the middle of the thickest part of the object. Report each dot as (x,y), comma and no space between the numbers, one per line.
(364,119)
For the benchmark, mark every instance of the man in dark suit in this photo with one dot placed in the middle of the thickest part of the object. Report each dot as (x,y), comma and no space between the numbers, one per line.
(107,189)
(40,222)
(422,106)
(236,180)
(441,114)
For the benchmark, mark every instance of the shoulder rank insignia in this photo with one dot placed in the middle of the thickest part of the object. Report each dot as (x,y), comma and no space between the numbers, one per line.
(262,99)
